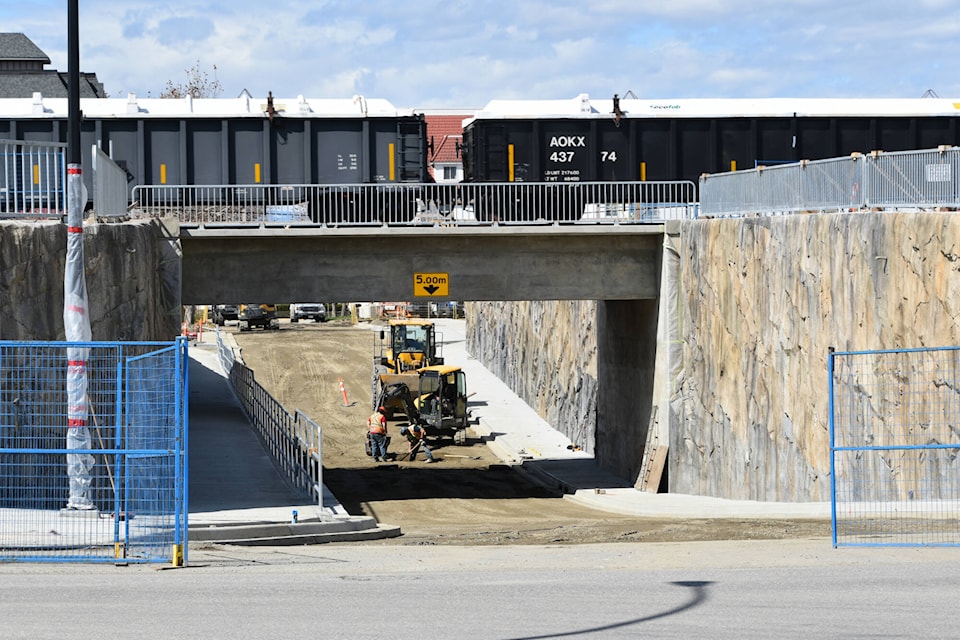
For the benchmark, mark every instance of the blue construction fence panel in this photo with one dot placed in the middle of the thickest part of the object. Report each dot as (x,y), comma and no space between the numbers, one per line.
(131,457)
(894,444)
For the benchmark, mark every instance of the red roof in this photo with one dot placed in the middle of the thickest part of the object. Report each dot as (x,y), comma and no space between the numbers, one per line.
(447,134)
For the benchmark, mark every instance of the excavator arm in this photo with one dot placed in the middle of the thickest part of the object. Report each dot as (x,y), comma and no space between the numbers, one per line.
(397,395)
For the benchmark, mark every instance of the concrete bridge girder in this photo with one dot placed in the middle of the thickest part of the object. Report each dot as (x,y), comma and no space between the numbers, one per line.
(362,264)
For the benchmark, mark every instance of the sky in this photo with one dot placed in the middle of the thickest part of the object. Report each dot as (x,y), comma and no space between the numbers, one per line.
(426,54)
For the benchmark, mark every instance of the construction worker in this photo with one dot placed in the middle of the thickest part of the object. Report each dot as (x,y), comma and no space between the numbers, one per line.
(377,433)
(416,438)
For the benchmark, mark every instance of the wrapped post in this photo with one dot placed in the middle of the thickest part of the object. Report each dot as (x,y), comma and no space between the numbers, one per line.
(76,323)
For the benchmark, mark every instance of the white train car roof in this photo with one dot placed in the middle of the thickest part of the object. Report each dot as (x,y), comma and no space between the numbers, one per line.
(135,107)
(583,107)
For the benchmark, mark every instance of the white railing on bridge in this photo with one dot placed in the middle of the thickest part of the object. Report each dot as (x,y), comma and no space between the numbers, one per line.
(33,179)
(899,181)
(407,204)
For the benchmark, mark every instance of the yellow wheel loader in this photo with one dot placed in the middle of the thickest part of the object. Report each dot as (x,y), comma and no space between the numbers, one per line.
(413,344)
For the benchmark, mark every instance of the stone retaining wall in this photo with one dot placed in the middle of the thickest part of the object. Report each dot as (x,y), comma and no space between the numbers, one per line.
(132,272)
(546,352)
(761,302)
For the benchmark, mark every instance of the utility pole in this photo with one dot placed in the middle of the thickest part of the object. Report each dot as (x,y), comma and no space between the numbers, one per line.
(76,319)
(73,82)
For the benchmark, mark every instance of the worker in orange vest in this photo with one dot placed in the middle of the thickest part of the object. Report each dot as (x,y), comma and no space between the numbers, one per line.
(377,433)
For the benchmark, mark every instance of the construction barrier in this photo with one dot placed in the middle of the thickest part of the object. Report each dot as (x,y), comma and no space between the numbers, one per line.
(895,449)
(131,467)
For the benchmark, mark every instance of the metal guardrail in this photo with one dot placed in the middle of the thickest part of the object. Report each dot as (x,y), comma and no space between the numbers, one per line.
(33,179)
(902,181)
(414,204)
(293,441)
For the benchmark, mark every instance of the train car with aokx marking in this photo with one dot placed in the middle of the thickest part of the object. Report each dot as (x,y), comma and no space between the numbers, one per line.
(570,142)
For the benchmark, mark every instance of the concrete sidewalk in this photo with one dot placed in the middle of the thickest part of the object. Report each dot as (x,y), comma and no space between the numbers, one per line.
(236,495)
(256,506)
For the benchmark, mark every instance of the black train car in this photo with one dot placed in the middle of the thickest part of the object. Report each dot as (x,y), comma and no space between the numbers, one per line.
(242,141)
(584,140)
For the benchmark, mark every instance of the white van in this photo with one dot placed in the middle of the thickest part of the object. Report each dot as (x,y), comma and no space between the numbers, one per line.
(308,311)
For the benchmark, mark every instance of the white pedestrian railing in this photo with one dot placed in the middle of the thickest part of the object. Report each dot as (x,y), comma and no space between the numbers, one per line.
(33,179)
(418,204)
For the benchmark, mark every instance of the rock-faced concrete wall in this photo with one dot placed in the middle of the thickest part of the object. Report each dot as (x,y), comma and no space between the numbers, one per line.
(547,353)
(763,301)
(132,272)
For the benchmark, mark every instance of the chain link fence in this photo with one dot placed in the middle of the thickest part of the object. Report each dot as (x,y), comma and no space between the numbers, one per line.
(136,474)
(894,445)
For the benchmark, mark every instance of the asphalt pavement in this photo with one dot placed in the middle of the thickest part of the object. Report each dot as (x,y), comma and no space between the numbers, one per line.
(237,495)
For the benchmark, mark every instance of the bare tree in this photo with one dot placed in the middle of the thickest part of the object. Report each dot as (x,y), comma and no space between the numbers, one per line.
(198,85)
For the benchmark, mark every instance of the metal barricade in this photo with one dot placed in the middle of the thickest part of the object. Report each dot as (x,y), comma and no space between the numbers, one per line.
(135,467)
(895,447)
(109,187)
(832,185)
(33,179)
(293,441)
(432,205)
(914,180)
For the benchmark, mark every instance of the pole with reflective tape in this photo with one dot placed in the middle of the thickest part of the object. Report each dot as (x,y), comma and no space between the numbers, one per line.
(76,319)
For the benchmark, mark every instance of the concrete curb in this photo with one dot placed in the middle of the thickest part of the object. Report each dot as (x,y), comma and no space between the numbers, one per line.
(352,528)
(378,532)
(680,506)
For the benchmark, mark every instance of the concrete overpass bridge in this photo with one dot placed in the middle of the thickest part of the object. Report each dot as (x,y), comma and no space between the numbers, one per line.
(618,261)
(515,241)
(621,267)
(371,264)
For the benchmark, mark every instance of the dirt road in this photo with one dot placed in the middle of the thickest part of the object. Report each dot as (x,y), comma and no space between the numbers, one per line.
(469,496)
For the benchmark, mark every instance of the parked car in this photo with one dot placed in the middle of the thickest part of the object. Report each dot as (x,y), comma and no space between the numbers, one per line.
(223,312)
(308,311)
(442,309)
(263,315)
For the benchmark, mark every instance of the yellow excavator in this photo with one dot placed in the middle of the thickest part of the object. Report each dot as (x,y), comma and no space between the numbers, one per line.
(434,397)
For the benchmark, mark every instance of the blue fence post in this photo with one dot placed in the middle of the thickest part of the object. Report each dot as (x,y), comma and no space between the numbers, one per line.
(833,465)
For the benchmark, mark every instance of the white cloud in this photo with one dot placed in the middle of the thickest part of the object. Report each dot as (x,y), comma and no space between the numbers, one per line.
(432,53)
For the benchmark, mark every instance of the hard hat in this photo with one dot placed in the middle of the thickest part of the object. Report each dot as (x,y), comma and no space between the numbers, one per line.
(403,431)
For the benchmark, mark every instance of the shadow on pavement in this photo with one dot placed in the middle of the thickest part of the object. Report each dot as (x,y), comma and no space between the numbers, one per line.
(354,487)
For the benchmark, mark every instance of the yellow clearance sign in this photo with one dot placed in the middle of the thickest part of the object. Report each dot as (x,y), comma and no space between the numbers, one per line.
(431,285)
